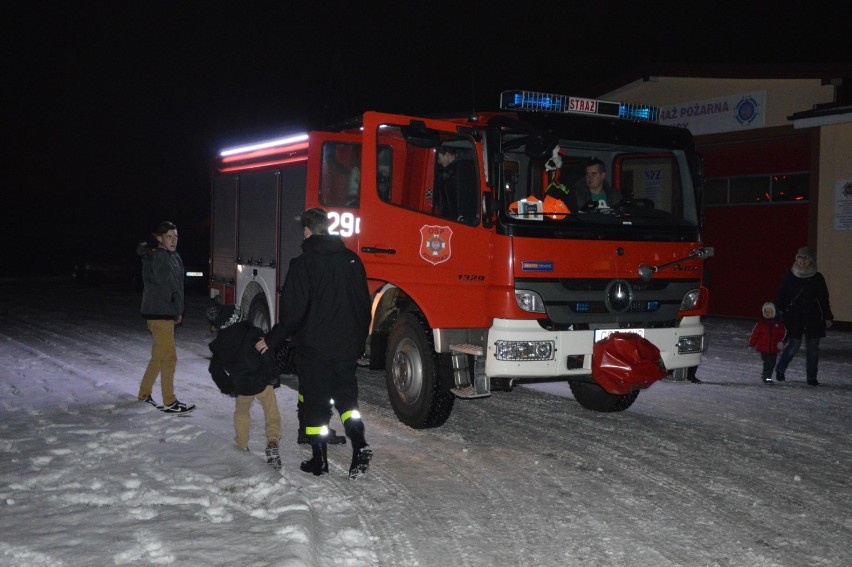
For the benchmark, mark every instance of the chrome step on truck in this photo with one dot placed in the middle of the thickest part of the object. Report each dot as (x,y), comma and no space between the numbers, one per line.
(461,372)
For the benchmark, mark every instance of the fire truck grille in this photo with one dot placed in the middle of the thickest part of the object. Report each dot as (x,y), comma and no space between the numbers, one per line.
(605,301)
(601,307)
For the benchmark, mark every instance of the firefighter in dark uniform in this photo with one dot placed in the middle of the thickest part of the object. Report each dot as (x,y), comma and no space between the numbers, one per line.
(326,315)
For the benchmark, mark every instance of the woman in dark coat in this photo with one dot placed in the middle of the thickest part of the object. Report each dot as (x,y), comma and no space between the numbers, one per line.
(803,300)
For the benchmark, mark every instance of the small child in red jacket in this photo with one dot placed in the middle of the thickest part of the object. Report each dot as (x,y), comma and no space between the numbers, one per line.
(767,338)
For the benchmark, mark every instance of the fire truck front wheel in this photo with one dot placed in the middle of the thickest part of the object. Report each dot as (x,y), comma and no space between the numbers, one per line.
(595,398)
(412,370)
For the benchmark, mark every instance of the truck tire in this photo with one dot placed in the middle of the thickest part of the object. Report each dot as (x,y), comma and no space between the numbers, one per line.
(412,371)
(595,398)
(258,313)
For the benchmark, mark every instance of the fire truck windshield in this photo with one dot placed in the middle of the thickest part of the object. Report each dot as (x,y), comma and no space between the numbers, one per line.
(579,188)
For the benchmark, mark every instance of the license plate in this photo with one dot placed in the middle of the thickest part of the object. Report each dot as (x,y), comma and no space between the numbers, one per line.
(601,334)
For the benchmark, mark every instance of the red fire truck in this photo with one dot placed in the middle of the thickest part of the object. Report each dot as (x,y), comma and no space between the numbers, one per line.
(516,283)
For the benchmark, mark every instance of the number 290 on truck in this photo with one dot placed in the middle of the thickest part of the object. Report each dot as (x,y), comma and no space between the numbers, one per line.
(501,247)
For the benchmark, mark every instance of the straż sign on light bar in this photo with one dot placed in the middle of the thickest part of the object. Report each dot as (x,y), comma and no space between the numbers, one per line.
(547,102)
(588,105)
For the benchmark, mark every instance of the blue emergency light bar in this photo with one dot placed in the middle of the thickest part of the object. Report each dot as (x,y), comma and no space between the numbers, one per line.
(545,102)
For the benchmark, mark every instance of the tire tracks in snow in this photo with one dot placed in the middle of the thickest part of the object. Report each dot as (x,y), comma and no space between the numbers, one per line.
(671,493)
(443,459)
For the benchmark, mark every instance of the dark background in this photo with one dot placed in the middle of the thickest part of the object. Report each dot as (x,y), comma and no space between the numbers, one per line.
(113,110)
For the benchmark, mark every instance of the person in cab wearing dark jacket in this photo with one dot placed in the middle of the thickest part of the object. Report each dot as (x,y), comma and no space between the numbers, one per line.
(593,192)
(240,371)
(803,300)
(325,312)
(162,307)
(455,195)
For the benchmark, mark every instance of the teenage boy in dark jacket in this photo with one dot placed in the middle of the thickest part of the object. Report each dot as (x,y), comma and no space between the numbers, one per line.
(326,313)
(162,307)
(240,371)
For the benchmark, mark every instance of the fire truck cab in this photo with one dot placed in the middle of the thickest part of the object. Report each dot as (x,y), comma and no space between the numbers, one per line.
(488,267)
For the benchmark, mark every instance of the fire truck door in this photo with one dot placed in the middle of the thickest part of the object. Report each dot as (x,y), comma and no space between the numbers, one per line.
(420,224)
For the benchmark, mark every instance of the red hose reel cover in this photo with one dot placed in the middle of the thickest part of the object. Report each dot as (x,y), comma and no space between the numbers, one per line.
(623,362)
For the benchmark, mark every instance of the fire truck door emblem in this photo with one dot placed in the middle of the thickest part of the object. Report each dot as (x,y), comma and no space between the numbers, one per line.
(435,243)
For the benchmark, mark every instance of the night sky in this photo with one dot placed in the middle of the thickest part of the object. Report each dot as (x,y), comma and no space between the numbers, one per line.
(113,110)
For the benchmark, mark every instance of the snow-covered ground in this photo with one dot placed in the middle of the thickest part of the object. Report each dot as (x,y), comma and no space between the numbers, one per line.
(726,473)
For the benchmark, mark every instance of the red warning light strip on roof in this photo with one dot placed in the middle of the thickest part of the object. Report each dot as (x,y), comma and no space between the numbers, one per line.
(267,163)
(260,153)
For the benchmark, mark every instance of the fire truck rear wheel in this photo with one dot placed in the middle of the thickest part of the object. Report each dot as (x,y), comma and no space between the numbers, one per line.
(259,313)
(595,398)
(412,371)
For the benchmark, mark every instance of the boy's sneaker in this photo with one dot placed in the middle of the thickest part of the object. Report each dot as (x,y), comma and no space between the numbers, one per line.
(779,376)
(272,456)
(151,401)
(767,380)
(178,408)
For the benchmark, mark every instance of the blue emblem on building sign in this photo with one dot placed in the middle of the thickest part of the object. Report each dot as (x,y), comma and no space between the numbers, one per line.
(528,266)
(746,110)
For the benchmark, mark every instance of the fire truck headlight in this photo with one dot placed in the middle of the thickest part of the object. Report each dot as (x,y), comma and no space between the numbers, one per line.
(524,350)
(529,301)
(690,344)
(690,300)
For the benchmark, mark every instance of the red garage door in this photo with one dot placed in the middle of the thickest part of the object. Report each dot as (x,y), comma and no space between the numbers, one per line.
(755,236)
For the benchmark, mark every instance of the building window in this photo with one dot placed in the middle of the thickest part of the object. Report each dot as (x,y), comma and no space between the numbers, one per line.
(791,187)
(749,190)
(757,189)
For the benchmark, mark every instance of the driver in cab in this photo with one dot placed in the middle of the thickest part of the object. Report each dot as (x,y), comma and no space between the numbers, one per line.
(593,192)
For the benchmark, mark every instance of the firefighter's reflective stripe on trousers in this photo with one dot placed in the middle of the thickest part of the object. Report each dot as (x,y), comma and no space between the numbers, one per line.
(353,414)
(321,430)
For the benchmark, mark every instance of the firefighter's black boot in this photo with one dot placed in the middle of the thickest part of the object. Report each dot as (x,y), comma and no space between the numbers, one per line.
(318,464)
(361,452)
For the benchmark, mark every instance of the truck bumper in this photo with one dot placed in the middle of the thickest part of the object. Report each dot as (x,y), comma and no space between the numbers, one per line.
(680,347)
